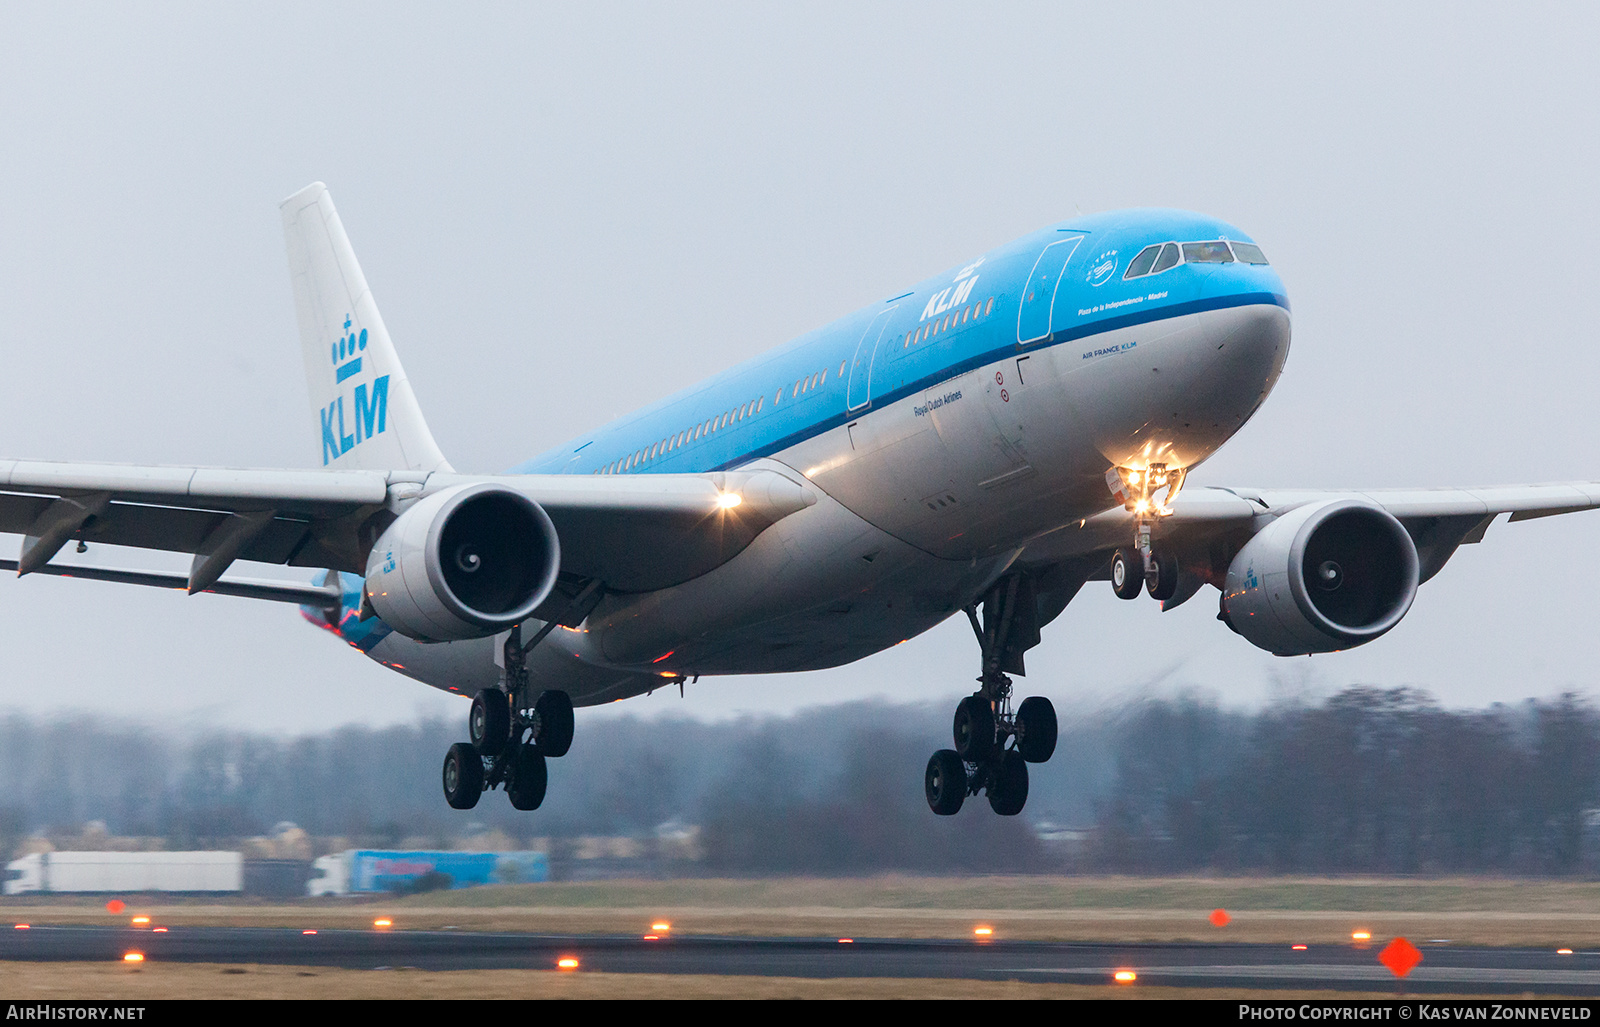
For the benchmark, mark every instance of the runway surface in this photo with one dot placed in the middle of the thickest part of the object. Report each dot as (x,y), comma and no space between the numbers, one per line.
(1443,970)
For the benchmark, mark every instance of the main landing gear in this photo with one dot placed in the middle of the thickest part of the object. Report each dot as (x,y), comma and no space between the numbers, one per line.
(993,744)
(509,739)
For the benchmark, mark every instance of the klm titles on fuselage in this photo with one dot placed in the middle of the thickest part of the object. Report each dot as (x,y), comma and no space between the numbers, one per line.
(951,296)
(369,404)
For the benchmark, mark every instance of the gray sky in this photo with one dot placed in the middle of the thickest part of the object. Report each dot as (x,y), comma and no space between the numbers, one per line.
(566,212)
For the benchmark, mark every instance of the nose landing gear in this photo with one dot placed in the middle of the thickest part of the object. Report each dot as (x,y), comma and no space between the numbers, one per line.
(993,744)
(1143,567)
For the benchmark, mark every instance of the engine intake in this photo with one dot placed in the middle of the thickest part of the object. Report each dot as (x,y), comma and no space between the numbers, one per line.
(466,562)
(1322,577)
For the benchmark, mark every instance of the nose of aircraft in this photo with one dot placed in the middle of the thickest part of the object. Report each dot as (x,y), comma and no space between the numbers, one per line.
(1187,386)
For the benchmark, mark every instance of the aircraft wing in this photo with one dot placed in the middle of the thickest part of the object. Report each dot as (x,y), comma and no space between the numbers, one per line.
(1217,521)
(630,532)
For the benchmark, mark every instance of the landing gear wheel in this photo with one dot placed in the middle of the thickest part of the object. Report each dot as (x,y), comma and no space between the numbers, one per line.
(1008,784)
(1127,573)
(555,723)
(529,778)
(463,776)
(974,728)
(489,723)
(1164,582)
(945,783)
(1036,729)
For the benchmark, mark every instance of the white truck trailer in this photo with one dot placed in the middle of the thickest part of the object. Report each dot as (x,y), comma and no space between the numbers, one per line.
(133,872)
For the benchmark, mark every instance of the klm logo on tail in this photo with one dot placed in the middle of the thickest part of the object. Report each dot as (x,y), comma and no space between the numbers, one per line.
(369,404)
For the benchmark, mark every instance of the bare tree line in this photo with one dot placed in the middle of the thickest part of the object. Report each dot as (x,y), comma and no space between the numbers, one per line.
(1369,780)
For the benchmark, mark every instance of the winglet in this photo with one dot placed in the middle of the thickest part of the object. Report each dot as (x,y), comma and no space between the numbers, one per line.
(366,416)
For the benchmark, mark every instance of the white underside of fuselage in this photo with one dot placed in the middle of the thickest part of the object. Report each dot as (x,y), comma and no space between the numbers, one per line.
(922,503)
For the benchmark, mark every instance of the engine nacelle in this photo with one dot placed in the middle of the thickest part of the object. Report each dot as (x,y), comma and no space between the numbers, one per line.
(1322,577)
(466,562)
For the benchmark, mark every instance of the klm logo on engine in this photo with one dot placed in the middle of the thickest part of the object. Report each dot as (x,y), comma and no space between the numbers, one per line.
(368,407)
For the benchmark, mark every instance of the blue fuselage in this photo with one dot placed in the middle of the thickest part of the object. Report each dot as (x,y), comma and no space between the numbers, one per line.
(1061,286)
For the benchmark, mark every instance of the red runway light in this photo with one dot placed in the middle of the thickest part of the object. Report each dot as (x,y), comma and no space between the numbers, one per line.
(1220,918)
(1400,956)
(116,906)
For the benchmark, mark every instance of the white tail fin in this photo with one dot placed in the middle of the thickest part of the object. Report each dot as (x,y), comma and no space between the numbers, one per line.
(367,416)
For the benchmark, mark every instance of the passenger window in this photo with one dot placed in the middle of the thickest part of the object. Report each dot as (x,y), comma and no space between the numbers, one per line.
(1249,253)
(1207,253)
(1169,257)
(761,402)
(824,376)
(842,363)
(1143,262)
(988,308)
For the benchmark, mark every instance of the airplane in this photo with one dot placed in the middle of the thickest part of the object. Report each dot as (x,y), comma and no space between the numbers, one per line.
(983,443)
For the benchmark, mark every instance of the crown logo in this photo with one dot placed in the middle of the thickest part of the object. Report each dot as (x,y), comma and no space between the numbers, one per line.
(346,352)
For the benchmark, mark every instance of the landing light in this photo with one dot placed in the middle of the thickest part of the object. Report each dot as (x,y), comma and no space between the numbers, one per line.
(729,500)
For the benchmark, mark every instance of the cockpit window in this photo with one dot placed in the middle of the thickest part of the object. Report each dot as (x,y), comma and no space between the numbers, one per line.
(1207,253)
(1249,253)
(1141,263)
(1156,258)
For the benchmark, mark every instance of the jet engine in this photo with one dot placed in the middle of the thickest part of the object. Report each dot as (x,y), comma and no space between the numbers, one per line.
(1322,577)
(466,562)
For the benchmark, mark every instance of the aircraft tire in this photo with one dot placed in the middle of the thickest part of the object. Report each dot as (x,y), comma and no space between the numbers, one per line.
(1008,784)
(1127,573)
(974,728)
(1165,582)
(489,721)
(555,723)
(1036,729)
(463,776)
(945,782)
(529,778)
